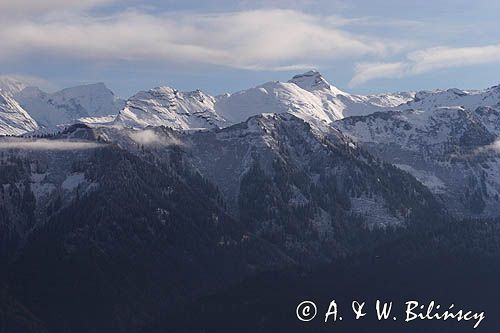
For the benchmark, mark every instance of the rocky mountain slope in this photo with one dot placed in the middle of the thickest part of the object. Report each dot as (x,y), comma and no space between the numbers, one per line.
(290,183)
(277,175)
(452,150)
(298,187)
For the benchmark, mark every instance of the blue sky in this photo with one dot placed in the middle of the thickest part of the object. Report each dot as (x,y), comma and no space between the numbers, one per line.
(224,46)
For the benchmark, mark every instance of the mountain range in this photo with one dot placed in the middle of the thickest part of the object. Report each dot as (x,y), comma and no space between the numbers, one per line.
(127,210)
(440,137)
(308,96)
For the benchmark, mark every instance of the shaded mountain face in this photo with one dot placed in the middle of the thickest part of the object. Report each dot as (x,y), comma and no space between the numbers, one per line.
(452,150)
(119,225)
(299,187)
(14,120)
(60,109)
(125,234)
(275,175)
(302,189)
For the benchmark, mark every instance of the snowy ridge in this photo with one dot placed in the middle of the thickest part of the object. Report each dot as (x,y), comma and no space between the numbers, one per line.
(426,131)
(469,99)
(308,96)
(165,106)
(275,97)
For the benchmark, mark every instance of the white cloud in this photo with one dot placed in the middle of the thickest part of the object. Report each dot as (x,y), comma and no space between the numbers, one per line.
(444,57)
(427,60)
(44,144)
(368,71)
(257,39)
(149,137)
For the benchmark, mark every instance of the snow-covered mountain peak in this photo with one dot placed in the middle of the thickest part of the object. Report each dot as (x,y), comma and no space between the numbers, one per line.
(275,97)
(457,91)
(308,96)
(96,98)
(56,110)
(166,106)
(313,80)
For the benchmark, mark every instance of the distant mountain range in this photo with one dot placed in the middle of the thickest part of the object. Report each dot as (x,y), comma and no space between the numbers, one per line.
(308,96)
(440,137)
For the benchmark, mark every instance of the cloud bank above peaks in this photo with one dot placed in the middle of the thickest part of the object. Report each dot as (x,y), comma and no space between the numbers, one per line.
(427,60)
(263,39)
(131,44)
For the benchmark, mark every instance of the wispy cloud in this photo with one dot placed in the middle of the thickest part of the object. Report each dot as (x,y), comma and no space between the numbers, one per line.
(427,60)
(44,144)
(149,137)
(368,71)
(255,39)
